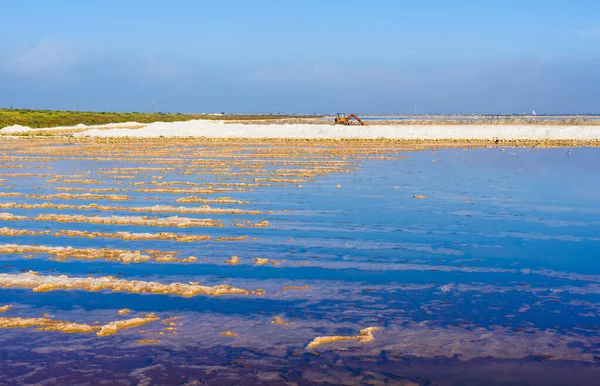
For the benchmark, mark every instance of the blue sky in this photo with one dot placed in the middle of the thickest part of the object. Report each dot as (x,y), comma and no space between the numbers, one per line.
(310,56)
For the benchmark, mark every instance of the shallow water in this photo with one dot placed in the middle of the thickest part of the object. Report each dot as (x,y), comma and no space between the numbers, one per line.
(491,278)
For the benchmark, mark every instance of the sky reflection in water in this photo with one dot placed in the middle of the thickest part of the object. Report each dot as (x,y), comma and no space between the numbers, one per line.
(499,260)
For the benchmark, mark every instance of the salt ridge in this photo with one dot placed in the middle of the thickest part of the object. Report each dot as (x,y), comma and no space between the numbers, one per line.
(25,129)
(219,129)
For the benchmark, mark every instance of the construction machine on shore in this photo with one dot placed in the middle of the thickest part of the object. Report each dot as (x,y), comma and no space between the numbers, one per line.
(342,119)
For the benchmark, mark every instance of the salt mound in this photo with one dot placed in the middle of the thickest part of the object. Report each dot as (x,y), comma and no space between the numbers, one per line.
(122,124)
(100,126)
(15,129)
(218,129)
(24,129)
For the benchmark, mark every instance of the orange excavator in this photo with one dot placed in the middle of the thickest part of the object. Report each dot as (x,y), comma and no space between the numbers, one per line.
(342,119)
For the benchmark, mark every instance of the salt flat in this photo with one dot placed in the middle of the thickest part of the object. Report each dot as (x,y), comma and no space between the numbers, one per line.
(223,129)
(25,129)
(220,129)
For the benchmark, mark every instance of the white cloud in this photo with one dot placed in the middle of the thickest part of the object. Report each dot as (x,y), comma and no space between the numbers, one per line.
(48,58)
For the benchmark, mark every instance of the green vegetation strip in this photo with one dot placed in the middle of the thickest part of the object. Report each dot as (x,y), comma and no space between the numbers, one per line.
(50,118)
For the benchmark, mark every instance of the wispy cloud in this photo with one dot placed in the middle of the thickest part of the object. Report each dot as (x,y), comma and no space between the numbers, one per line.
(588,34)
(51,59)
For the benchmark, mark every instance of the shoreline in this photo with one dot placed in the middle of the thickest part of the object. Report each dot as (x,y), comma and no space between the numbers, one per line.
(409,144)
(410,135)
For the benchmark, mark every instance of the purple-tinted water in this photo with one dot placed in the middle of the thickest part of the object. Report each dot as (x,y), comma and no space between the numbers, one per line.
(493,278)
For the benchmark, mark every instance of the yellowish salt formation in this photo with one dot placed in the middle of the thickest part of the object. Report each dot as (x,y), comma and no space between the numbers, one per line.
(171,183)
(5,308)
(124,311)
(39,283)
(279,320)
(282,180)
(419,197)
(228,333)
(81,181)
(26,175)
(365,335)
(308,172)
(295,287)
(92,190)
(112,327)
(170,320)
(123,256)
(11,217)
(187,190)
(201,200)
(237,238)
(173,221)
(233,260)
(237,184)
(83,196)
(9,194)
(166,258)
(134,236)
(48,324)
(249,224)
(205,209)
(21,232)
(263,261)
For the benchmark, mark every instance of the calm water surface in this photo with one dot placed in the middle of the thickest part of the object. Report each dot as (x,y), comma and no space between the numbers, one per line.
(492,278)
